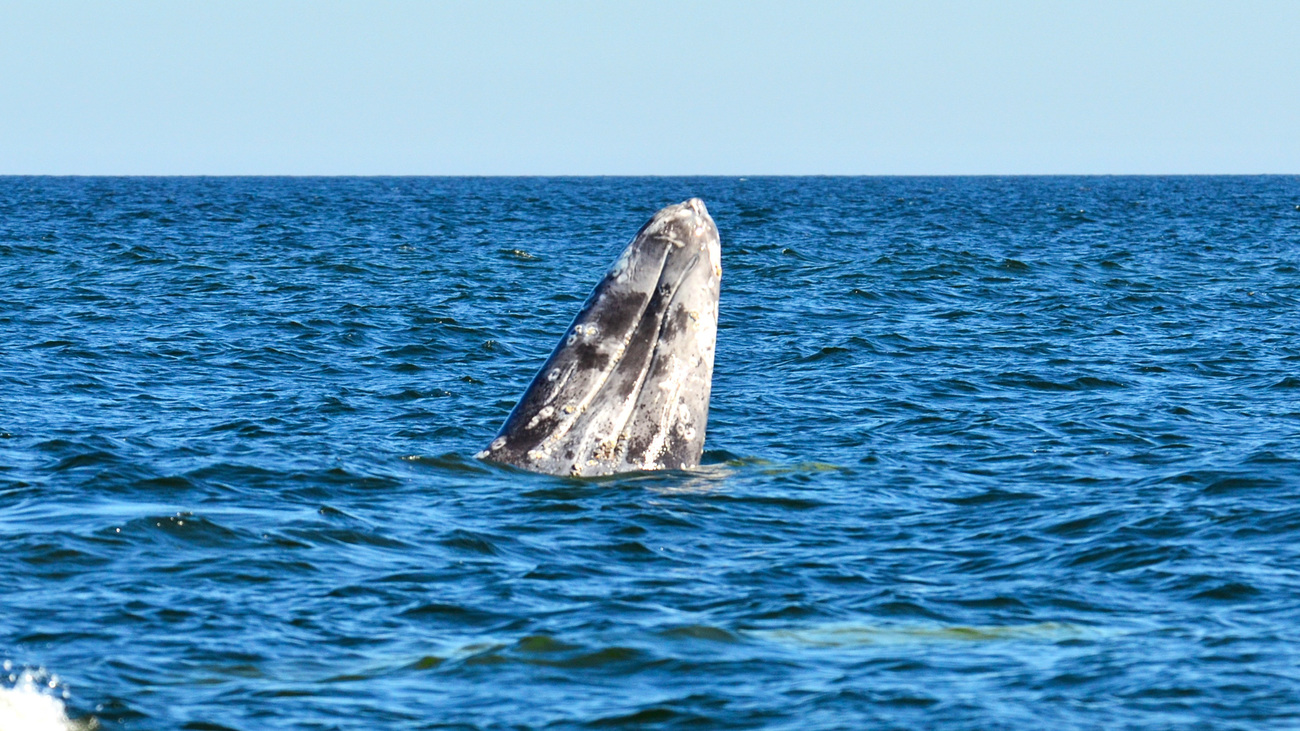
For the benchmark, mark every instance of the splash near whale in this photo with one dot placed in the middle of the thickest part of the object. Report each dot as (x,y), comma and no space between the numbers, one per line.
(627,387)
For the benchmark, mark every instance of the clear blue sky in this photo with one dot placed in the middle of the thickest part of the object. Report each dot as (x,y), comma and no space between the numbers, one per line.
(605,87)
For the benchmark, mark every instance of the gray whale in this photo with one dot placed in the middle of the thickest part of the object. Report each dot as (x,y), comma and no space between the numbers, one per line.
(627,388)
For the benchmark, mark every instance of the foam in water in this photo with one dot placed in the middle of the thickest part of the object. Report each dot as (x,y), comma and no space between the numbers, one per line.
(26,703)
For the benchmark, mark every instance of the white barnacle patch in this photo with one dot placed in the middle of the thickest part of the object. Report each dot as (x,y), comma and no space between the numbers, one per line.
(573,338)
(715,256)
(481,455)
(553,374)
(536,454)
(545,413)
(674,383)
(569,408)
(684,417)
(591,331)
(497,443)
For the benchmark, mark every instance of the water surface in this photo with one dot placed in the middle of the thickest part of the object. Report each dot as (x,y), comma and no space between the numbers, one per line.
(984,453)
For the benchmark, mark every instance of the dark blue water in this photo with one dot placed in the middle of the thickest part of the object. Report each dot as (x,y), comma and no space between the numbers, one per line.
(984,453)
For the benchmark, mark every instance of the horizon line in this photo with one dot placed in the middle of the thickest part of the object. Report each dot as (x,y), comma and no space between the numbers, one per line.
(731,176)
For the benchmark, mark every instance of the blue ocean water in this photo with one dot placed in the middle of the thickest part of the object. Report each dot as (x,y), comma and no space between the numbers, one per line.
(984,453)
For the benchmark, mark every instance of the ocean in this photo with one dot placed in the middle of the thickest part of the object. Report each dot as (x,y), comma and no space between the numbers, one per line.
(983,453)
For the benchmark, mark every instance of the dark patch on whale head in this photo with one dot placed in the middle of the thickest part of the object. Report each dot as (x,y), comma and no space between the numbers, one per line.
(623,313)
(588,356)
(678,320)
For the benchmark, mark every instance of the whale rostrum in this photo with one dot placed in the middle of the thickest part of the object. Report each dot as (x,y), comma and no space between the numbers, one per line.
(627,387)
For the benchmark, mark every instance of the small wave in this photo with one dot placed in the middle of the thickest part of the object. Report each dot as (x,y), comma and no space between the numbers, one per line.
(835,353)
(471,542)
(542,651)
(723,457)
(451,462)
(519,254)
(1028,381)
(1231,591)
(700,632)
(183,528)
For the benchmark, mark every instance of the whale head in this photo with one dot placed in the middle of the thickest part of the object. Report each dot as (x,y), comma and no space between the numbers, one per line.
(627,387)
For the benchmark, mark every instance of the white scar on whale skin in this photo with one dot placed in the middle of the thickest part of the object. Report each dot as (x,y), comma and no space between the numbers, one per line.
(607,403)
(673,386)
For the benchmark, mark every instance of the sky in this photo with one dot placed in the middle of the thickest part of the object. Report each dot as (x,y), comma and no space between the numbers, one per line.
(491,87)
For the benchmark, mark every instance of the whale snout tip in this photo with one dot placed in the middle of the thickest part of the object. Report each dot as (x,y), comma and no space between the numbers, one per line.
(705,233)
(693,210)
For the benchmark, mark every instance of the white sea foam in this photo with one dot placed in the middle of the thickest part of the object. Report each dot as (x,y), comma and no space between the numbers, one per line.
(29,701)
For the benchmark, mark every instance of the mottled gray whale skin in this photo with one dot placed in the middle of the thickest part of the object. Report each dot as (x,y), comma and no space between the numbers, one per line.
(627,388)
